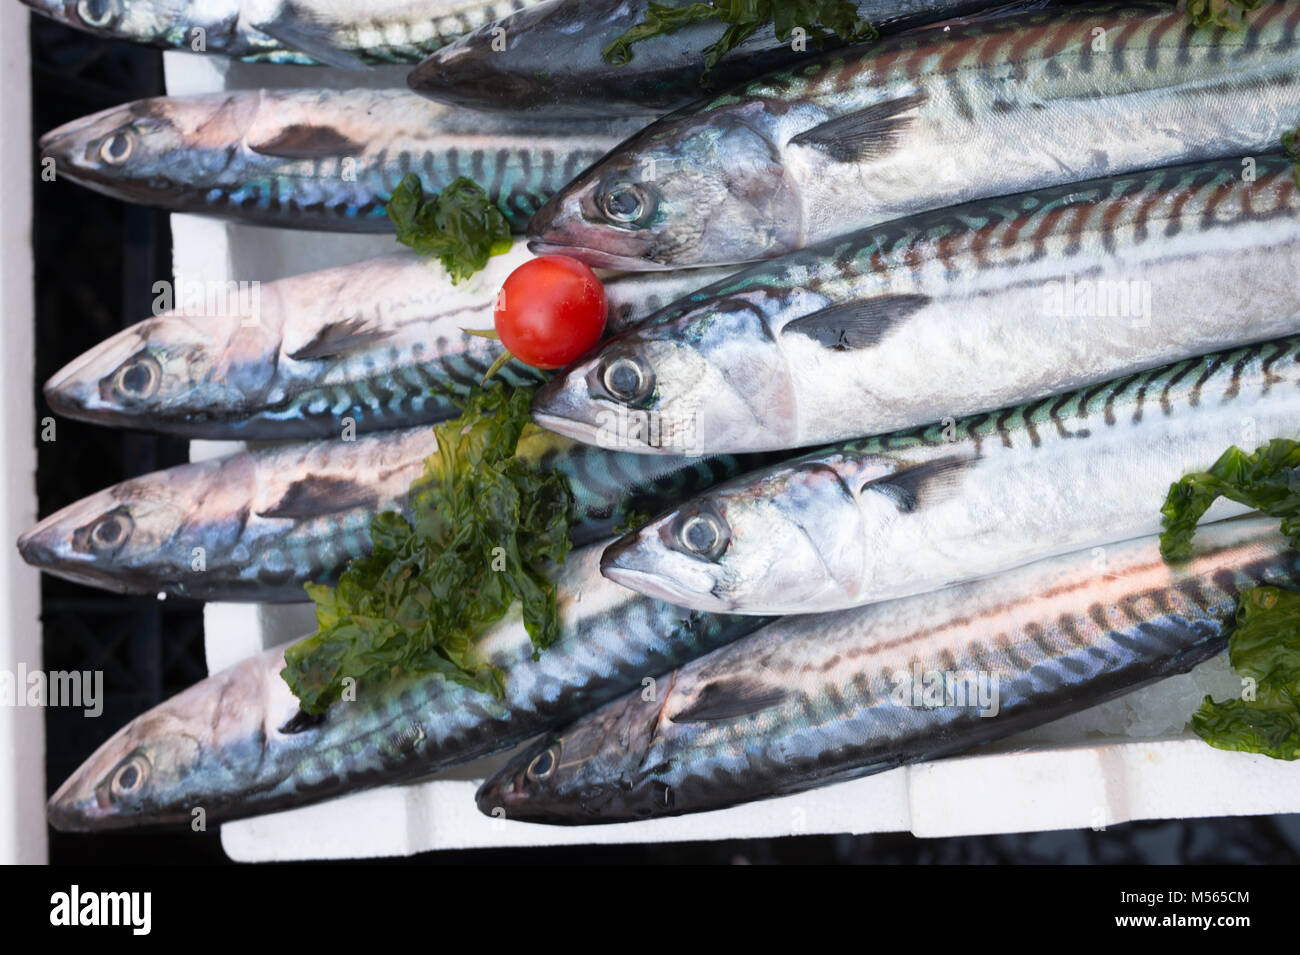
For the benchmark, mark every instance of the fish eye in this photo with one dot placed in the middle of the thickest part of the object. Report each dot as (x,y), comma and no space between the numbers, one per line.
(543,764)
(130,776)
(96,13)
(702,533)
(628,203)
(627,378)
(111,531)
(117,149)
(138,377)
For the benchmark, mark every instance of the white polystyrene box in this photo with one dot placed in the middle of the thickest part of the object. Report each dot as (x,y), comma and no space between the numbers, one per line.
(1035,781)
(22,728)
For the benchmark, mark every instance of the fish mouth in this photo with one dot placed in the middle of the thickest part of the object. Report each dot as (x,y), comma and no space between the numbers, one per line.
(595,257)
(560,406)
(633,562)
(563,406)
(69,810)
(49,560)
(74,390)
(45,547)
(560,228)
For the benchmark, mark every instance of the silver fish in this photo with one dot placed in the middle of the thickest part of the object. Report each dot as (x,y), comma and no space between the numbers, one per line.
(236,744)
(812,700)
(928,120)
(317,159)
(918,510)
(549,59)
(339,33)
(257,525)
(379,342)
(953,312)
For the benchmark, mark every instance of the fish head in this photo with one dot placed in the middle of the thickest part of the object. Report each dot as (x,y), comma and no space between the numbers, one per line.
(176,757)
(166,23)
(688,191)
(712,380)
(592,771)
(782,540)
(170,368)
(150,149)
(130,536)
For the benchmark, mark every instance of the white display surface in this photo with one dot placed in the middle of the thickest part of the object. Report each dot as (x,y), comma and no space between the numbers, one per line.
(1010,788)
(22,728)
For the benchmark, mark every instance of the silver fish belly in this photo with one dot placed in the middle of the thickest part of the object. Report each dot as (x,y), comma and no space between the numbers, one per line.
(813,700)
(954,312)
(317,159)
(928,120)
(918,510)
(379,344)
(257,525)
(235,744)
(338,33)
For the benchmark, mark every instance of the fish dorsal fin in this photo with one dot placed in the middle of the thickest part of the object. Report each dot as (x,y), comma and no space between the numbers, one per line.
(865,134)
(338,338)
(728,698)
(306,36)
(314,495)
(860,324)
(308,141)
(909,486)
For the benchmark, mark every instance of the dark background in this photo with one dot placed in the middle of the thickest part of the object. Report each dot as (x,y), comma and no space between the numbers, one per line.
(96,260)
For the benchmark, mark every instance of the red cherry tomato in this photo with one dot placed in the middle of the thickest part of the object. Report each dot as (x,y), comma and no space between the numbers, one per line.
(551,311)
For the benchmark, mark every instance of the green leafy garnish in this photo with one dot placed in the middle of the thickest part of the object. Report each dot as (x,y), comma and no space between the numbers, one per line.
(1229,14)
(1265,648)
(743,18)
(460,225)
(1265,643)
(486,527)
(1291,146)
(1266,480)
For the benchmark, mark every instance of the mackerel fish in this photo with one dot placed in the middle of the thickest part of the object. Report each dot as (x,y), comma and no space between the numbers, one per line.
(317,159)
(955,312)
(812,700)
(548,59)
(256,525)
(382,344)
(236,744)
(927,120)
(341,33)
(917,510)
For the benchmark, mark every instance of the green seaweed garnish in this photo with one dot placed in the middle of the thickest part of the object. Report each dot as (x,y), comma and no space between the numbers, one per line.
(743,18)
(1264,646)
(1265,480)
(460,225)
(1265,649)
(486,527)
(1229,14)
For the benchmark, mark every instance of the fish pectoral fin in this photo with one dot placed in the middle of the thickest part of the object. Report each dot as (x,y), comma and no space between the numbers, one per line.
(301,721)
(910,486)
(315,495)
(866,134)
(341,337)
(860,324)
(308,141)
(313,40)
(728,698)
